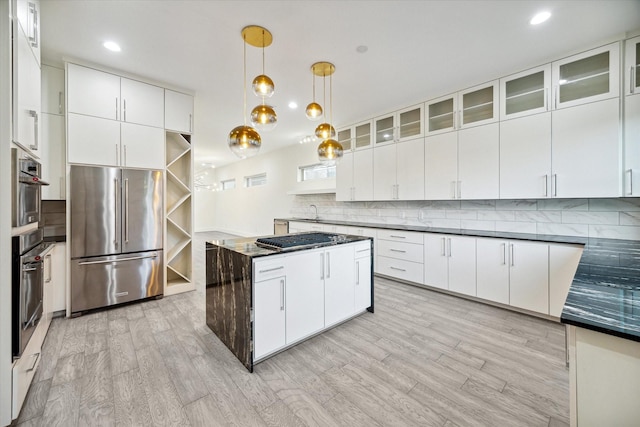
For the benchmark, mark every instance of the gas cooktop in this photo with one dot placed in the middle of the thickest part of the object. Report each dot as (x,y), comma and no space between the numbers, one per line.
(299,241)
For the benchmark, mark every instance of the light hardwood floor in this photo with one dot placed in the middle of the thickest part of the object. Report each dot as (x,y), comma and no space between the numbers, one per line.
(422,359)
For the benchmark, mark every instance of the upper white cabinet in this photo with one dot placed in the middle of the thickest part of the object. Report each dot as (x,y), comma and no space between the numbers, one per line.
(441,166)
(399,126)
(28,14)
(478,105)
(587,77)
(52,90)
(178,112)
(354,176)
(479,162)
(441,115)
(53,157)
(114,97)
(26,90)
(525,93)
(632,118)
(355,137)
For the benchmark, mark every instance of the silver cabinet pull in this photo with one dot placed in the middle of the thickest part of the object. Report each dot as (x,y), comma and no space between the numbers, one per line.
(48,270)
(116,108)
(34,114)
(397,237)
(443,247)
(272,269)
(396,268)
(124,110)
(328,265)
(504,253)
(397,250)
(190,123)
(357,272)
(453,189)
(125,155)
(546,185)
(630,182)
(109,261)
(60,102)
(33,31)
(459,189)
(632,72)
(449,245)
(281,294)
(557,92)
(322,266)
(546,99)
(126,210)
(117,159)
(513,262)
(115,214)
(554,180)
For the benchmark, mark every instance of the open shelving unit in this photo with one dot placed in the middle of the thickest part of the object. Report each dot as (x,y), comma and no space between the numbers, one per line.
(179,214)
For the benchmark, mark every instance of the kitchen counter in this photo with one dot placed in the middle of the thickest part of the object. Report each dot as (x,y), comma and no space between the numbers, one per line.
(605,292)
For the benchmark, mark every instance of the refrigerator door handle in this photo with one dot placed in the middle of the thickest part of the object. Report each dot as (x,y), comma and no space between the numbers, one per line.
(108,261)
(126,210)
(115,214)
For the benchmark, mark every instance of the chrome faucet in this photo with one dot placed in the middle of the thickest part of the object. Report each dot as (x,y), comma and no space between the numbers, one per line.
(316,211)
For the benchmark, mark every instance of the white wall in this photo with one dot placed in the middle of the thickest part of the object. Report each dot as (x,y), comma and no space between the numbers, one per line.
(250,211)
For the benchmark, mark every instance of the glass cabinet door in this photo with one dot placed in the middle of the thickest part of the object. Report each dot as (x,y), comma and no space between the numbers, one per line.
(385,128)
(632,67)
(525,93)
(410,121)
(441,115)
(363,135)
(344,138)
(479,105)
(587,77)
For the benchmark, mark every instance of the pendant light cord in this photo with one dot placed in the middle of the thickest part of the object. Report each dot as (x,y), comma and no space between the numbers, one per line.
(244,70)
(313,79)
(330,102)
(263,62)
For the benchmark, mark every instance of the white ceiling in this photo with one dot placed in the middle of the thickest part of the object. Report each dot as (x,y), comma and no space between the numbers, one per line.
(417,50)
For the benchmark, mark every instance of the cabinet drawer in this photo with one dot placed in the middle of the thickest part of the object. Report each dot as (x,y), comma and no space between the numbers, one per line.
(400,236)
(25,368)
(400,250)
(363,249)
(404,270)
(268,269)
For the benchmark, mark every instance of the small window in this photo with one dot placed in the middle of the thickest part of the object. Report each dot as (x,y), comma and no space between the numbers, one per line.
(228,184)
(317,171)
(255,180)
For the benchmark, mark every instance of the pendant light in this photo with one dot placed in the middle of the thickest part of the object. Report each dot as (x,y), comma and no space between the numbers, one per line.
(324,130)
(330,151)
(262,116)
(244,140)
(314,110)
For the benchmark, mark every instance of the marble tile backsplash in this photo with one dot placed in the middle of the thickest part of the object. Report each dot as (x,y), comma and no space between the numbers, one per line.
(605,218)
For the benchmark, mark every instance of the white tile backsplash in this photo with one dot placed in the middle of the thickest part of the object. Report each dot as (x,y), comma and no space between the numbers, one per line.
(607,218)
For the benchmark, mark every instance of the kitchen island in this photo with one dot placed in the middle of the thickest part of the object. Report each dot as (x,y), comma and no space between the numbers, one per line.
(262,300)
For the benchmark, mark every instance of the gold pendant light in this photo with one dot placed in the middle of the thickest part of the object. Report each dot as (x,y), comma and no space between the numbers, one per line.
(244,140)
(262,116)
(314,110)
(324,69)
(330,151)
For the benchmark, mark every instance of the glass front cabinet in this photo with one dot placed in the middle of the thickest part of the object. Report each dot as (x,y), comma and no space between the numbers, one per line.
(441,115)
(399,126)
(525,93)
(355,137)
(587,77)
(632,66)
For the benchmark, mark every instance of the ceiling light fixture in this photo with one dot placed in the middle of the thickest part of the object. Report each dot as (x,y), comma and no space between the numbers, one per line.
(329,151)
(112,46)
(263,116)
(244,140)
(324,130)
(314,110)
(293,105)
(539,18)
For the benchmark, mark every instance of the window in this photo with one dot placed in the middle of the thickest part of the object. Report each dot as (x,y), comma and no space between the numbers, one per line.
(255,180)
(317,171)
(228,184)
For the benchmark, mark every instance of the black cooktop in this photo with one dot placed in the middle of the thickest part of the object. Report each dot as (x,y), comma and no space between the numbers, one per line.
(297,241)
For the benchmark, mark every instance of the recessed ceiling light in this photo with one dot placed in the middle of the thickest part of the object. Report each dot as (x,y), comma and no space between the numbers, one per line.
(362,49)
(539,18)
(112,46)
(293,105)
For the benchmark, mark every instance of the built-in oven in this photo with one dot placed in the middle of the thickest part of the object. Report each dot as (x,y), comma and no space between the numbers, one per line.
(26,188)
(28,256)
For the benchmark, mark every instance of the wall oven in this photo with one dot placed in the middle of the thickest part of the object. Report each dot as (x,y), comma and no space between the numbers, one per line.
(28,255)
(26,189)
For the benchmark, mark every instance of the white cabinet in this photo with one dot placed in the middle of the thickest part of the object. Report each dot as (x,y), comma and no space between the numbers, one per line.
(296,227)
(269,316)
(354,176)
(525,93)
(26,94)
(28,14)
(363,282)
(587,77)
(25,368)
(178,112)
(492,270)
(398,170)
(114,97)
(53,156)
(305,294)
(355,137)
(441,166)
(107,142)
(442,115)
(339,284)
(399,126)
(529,276)
(59,277)
(563,263)
(478,105)
(449,263)
(52,90)
(586,150)
(632,118)
(399,255)
(525,157)
(479,162)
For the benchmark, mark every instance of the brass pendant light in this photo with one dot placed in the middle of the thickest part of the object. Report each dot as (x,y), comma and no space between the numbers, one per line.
(244,140)
(262,116)
(330,151)
(314,110)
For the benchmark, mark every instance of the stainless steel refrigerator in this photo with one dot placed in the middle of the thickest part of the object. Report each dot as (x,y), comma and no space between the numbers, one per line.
(116,235)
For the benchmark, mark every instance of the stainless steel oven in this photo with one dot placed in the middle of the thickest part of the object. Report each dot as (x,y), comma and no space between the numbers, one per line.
(26,189)
(28,254)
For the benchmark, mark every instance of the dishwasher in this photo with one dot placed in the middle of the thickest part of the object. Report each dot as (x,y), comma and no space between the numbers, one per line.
(280,226)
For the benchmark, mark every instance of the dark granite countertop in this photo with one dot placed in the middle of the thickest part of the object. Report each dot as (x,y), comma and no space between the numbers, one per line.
(247,245)
(605,293)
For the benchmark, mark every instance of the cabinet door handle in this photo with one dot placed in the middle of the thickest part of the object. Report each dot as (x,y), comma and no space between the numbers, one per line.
(357,272)
(459,189)
(454,114)
(513,261)
(117,159)
(272,269)
(449,244)
(396,268)
(125,155)
(632,72)
(397,250)
(47,278)
(34,114)
(322,266)
(630,182)
(557,93)
(60,102)
(281,294)
(504,253)
(190,123)
(554,180)
(546,185)
(444,253)
(116,108)
(397,237)
(328,265)
(546,99)
(453,189)
(33,31)
(124,110)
